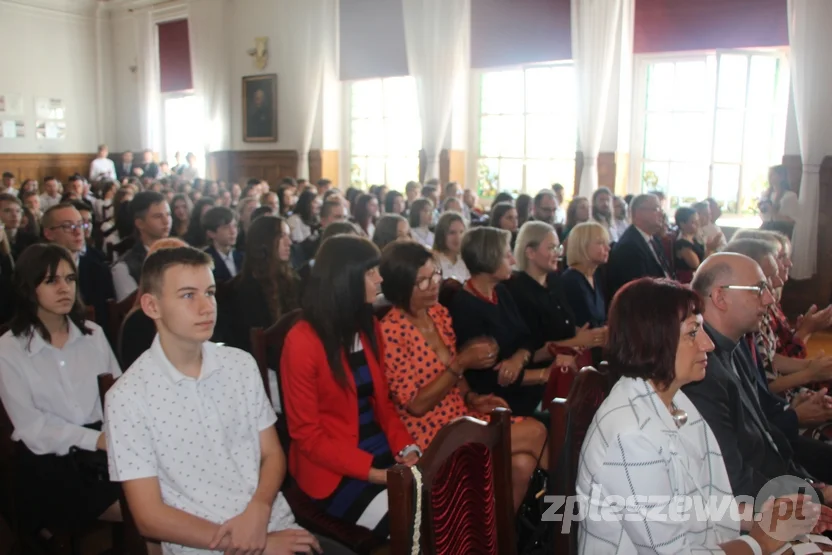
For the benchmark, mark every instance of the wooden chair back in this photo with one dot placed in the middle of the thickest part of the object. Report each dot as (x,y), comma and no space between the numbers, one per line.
(134,543)
(447,291)
(465,483)
(569,421)
(118,311)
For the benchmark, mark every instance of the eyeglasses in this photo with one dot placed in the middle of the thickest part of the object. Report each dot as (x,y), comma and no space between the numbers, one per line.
(760,288)
(425,282)
(70,228)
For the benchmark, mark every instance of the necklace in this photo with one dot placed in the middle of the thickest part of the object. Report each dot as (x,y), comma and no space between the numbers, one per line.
(680,417)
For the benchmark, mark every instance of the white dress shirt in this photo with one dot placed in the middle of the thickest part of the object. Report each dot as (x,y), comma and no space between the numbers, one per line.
(47,202)
(102,168)
(228,260)
(51,393)
(423,235)
(458,271)
(200,437)
(709,232)
(299,231)
(123,282)
(633,448)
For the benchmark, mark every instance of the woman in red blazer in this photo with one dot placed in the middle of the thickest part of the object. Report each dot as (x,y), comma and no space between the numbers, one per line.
(345,430)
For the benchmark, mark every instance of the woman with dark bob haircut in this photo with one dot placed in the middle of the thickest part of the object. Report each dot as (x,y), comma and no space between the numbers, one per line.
(345,430)
(648,442)
(49,366)
(425,369)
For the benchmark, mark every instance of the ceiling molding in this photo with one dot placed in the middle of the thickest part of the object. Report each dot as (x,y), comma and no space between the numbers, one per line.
(84,8)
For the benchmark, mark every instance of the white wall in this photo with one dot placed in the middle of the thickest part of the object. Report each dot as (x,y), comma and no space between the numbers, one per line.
(50,54)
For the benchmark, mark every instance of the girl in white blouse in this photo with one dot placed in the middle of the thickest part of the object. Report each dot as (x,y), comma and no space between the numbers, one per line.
(447,244)
(649,448)
(49,363)
(421,217)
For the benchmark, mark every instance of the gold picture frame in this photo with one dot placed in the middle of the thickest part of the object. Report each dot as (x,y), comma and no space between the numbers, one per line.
(260,108)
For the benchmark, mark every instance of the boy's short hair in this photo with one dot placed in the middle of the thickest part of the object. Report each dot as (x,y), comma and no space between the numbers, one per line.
(216,217)
(153,269)
(142,202)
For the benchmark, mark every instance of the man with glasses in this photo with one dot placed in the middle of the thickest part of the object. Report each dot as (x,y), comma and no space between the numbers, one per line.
(67,226)
(638,253)
(11,214)
(544,207)
(732,398)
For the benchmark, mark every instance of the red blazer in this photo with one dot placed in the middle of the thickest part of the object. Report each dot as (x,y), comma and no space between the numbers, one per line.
(323,416)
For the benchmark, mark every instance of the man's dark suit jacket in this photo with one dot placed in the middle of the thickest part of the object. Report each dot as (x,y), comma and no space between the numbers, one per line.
(121,173)
(221,271)
(150,170)
(95,281)
(631,259)
(739,422)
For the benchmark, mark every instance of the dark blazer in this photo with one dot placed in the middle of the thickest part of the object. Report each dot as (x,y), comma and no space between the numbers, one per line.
(740,417)
(631,259)
(221,271)
(248,308)
(150,170)
(95,281)
(121,172)
(6,288)
(21,241)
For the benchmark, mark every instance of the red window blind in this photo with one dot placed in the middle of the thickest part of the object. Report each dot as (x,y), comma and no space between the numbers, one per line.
(679,25)
(175,56)
(515,32)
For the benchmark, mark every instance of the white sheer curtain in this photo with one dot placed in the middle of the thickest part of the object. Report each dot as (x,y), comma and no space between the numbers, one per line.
(305,21)
(810,44)
(147,49)
(207,21)
(435,45)
(596,43)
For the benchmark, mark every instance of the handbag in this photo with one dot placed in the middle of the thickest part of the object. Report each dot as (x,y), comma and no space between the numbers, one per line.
(534,536)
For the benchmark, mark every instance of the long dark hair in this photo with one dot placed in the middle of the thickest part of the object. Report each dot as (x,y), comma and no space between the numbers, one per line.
(261,263)
(361,212)
(303,208)
(195,236)
(334,301)
(38,263)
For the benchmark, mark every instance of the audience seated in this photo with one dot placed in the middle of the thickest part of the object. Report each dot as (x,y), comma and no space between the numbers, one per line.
(756,430)
(365,214)
(220,225)
(6,278)
(51,193)
(333,229)
(620,216)
(180,212)
(390,228)
(648,441)
(11,212)
(304,220)
(267,287)
(485,308)
(150,214)
(49,363)
(424,369)
(447,244)
(577,213)
(638,253)
(334,385)
(245,210)
(394,203)
(688,252)
(582,282)
(602,211)
(195,236)
(544,207)
(421,219)
(712,234)
(207,483)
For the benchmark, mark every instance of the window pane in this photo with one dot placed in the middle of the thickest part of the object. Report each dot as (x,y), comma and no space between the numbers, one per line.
(490,136)
(733,72)
(655,175)
(660,86)
(502,92)
(757,137)
(754,183)
(511,134)
(563,94)
(488,177)
(367,137)
(358,172)
(540,85)
(540,174)
(725,185)
(658,135)
(688,182)
(691,86)
(400,98)
(689,137)
(402,170)
(402,137)
(511,175)
(763,82)
(728,136)
(375,171)
(366,99)
(540,136)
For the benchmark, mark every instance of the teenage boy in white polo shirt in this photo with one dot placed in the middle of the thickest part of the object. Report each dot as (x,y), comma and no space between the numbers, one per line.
(191,432)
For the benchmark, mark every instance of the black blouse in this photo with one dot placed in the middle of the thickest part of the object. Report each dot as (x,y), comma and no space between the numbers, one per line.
(696,247)
(544,309)
(474,317)
(587,303)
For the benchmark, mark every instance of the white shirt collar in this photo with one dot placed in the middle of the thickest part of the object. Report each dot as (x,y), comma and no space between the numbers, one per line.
(209,362)
(38,343)
(648,238)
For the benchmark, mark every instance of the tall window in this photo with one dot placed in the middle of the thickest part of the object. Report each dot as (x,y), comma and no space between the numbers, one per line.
(528,129)
(183,133)
(710,125)
(385,132)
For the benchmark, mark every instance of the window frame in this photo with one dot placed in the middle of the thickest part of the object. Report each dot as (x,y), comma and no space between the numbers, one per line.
(475,127)
(639,112)
(346,165)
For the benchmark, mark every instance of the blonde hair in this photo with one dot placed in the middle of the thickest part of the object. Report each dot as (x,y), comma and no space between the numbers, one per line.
(531,235)
(580,238)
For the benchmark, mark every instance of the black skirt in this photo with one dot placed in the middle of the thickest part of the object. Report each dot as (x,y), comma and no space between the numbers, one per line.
(62,491)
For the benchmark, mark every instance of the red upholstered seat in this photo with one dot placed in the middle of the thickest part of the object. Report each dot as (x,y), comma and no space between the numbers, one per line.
(466,492)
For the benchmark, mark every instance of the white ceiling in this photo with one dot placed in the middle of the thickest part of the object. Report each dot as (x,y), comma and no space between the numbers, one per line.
(79,7)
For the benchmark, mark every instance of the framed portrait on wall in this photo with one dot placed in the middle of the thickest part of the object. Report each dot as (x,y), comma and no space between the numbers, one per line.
(260,108)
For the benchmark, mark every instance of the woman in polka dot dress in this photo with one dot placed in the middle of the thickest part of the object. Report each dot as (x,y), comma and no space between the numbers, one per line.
(424,369)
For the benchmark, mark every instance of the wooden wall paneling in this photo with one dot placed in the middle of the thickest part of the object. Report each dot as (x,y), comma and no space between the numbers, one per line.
(241,165)
(456,169)
(39,166)
(798,296)
(330,160)
(315,165)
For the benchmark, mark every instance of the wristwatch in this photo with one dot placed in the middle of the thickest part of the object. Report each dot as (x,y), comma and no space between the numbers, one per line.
(408,449)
